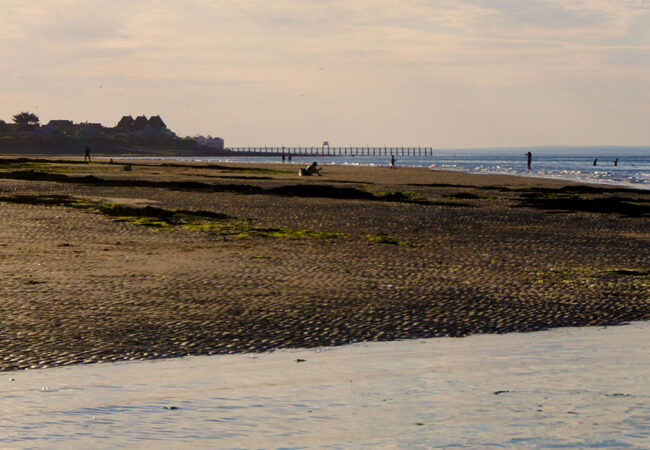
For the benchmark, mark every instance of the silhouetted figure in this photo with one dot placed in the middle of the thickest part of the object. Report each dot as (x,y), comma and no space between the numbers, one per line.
(616,162)
(283,157)
(529,158)
(392,161)
(289,157)
(87,154)
(596,162)
(311,169)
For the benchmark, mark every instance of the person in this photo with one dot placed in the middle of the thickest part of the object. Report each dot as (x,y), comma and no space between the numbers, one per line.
(87,154)
(282,156)
(529,157)
(616,162)
(289,157)
(310,170)
(595,161)
(392,161)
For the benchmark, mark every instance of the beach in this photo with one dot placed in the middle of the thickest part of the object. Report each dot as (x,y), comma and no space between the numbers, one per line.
(151,259)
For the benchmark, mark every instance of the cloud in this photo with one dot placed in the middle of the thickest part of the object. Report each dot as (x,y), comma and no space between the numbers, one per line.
(394,61)
(298,33)
(543,14)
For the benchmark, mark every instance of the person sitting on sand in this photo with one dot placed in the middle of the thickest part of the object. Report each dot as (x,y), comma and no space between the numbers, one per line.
(311,169)
(87,154)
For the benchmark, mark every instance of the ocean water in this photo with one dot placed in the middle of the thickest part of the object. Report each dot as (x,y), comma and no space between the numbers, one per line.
(633,170)
(563,388)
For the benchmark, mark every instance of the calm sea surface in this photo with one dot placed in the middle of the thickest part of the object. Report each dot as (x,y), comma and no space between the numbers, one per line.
(631,171)
(564,388)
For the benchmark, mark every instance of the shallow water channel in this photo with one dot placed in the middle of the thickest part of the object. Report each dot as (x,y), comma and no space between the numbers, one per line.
(571,387)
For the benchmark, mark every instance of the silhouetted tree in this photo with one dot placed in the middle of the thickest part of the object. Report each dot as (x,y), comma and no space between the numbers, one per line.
(26,118)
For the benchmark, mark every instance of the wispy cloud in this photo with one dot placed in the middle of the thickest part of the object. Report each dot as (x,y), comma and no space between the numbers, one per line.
(380,64)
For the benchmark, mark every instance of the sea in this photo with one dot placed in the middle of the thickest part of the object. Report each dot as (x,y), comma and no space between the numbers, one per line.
(614,167)
(564,388)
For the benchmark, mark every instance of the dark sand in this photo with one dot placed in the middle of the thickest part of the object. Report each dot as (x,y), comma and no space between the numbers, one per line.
(98,264)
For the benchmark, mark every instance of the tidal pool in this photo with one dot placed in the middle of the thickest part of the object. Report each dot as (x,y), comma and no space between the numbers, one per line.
(563,388)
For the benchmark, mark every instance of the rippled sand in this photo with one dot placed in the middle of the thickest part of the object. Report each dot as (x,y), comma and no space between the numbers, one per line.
(102,263)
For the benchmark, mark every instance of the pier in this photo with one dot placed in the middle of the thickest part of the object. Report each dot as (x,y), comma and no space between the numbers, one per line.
(326,150)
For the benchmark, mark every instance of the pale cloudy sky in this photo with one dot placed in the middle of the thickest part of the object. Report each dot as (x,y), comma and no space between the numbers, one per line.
(441,73)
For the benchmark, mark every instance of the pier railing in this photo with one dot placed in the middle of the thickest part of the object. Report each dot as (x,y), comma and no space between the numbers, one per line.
(332,151)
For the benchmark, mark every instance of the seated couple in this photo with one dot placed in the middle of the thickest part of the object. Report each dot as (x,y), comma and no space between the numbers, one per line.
(311,169)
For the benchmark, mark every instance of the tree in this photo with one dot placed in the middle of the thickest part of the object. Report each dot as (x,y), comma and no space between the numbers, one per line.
(25,119)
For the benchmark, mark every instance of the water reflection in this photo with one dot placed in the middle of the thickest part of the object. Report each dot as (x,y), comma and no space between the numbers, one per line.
(563,388)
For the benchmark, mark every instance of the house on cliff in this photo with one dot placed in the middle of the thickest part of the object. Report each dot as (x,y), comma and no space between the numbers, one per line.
(214,143)
(143,127)
(140,131)
(64,126)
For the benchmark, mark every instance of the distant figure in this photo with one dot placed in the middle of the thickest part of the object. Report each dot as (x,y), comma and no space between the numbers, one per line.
(87,154)
(283,157)
(529,157)
(392,161)
(616,162)
(596,162)
(311,169)
(289,157)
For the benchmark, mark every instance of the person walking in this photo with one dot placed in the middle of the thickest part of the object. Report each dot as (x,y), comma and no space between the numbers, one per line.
(87,154)
(529,158)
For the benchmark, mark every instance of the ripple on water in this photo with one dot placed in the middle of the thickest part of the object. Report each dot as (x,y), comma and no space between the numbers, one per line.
(570,388)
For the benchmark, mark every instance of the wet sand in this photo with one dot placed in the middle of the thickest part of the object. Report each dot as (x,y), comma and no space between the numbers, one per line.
(100,263)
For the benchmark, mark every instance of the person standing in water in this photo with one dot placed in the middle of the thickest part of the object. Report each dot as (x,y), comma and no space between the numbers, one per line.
(529,158)
(596,162)
(616,162)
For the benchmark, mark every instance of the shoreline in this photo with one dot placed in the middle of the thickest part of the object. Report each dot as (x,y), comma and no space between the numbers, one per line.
(272,160)
(106,264)
(534,174)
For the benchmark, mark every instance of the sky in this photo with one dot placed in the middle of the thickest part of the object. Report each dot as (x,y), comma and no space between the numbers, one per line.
(437,73)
